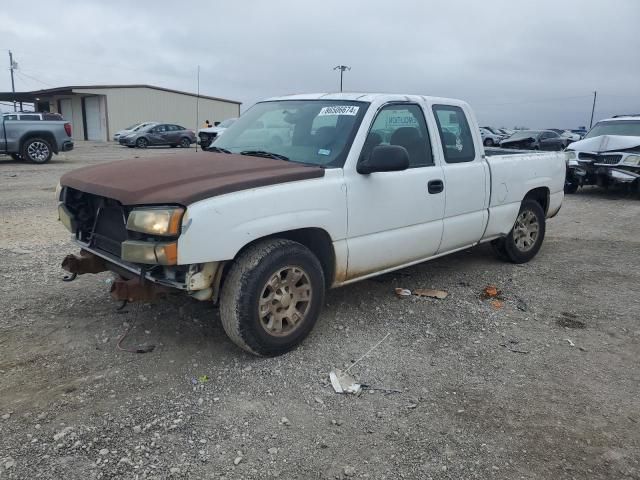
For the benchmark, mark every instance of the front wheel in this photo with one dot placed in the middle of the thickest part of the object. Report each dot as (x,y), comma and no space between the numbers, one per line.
(272,296)
(142,143)
(488,142)
(526,236)
(37,150)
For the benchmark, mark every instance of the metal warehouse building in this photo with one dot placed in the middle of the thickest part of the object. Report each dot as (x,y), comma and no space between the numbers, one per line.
(96,112)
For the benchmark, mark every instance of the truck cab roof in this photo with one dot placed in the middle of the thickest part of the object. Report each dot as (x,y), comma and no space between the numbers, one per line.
(369,97)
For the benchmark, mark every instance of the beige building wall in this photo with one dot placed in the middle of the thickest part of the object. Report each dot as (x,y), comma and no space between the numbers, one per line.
(77,127)
(126,106)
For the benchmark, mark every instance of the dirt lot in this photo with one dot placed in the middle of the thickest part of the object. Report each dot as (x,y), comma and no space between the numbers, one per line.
(546,387)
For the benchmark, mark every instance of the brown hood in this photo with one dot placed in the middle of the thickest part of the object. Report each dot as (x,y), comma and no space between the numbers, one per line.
(184,178)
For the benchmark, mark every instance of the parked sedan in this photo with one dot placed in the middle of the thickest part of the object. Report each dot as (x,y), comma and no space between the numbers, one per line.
(535,140)
(131,129)
(160,134)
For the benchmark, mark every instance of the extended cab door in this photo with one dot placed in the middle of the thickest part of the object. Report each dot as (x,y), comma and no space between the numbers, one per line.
(466,178)
(395,218)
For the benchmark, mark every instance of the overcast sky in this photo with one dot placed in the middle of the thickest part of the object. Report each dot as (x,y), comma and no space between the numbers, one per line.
(517,63)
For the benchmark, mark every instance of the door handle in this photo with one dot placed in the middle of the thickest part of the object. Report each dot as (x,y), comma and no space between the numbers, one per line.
(435,186)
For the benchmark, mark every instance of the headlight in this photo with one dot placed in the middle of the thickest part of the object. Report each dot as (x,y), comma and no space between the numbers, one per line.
(163,221)
(58,192)
(632,160)
(571,157)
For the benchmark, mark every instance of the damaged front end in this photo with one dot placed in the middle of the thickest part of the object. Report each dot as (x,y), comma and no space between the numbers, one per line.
(138,244)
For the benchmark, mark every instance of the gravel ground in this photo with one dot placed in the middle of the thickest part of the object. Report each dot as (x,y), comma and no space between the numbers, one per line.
(545,387)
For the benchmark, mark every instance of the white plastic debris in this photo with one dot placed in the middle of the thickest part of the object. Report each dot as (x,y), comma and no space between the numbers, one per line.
(342,382)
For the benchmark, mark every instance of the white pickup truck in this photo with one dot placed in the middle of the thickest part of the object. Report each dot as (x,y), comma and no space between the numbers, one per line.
(361,185)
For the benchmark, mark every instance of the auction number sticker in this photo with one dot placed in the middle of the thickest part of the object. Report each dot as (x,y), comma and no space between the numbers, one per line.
(339,110)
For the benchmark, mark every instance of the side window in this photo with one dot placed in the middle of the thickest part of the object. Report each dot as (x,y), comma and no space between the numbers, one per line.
(160,129)
(11,117)
(404,125)
(29,117)
(455,134)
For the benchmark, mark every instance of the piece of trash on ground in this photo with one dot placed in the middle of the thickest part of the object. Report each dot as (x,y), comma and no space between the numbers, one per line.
(497,304)
(429,292)
(342,382)
(568,340)
(403,292)
(203,378)
(491,291)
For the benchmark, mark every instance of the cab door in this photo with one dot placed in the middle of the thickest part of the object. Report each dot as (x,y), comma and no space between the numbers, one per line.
(466,180)
(395,218)
(157,135)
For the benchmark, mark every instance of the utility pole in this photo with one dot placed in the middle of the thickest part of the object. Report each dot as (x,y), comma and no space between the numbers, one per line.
(593,109)
(13,66)
(198,108)
(342,68)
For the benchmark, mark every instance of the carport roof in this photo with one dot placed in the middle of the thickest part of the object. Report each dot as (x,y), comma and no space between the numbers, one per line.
(31,96)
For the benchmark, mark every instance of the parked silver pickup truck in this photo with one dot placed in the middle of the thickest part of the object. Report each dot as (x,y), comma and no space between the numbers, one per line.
(34,139)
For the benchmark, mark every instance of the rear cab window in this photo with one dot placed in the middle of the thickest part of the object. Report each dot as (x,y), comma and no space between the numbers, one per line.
(455,134)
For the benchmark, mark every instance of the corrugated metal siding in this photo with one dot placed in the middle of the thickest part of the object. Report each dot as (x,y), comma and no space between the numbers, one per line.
(126,106)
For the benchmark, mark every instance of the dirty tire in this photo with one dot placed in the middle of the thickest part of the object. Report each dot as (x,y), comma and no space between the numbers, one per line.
(513,252)
(37,150)
(244,287)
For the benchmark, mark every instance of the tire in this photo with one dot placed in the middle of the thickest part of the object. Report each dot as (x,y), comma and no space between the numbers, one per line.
(36,150)
(488,142)
(142,142)
(173,145)
(185,142)
(131,146)
(515,246)
(17,157)
(260,273)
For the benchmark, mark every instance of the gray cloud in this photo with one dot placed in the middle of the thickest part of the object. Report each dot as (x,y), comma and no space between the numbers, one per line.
(533,63)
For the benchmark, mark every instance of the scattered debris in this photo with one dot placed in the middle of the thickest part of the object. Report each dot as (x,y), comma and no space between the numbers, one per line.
(511,349)
(203,378)
(570,342)
(285,421)
(421,292)
(569,320)
(139,349)
(491,291)
(403,292)
(237,460)
(342,382)
(349,471)
(428,292)
(497,304)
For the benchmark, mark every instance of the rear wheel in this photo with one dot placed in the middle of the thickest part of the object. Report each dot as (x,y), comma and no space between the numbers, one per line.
(488,142)
(272,297)
(185,142)
(142,143)
(526,236)
(37,150)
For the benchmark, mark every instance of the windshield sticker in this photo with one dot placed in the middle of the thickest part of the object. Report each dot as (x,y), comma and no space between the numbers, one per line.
(322,151)
(459,146)
(339,110)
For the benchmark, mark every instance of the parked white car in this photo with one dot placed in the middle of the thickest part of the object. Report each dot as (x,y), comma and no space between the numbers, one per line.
(362,184)
(130,130)
(489,139)
(207,135)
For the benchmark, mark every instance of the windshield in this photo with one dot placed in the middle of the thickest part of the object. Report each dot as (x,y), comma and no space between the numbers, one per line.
(227,123)
(131,127)
(524,134)
(627,128)
(317,132)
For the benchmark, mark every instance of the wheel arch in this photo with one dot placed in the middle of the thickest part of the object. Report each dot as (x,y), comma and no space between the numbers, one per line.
(43,134)
(540,195)
(317,240)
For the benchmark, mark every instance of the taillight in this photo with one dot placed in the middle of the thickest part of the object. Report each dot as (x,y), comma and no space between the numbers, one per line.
(67,128)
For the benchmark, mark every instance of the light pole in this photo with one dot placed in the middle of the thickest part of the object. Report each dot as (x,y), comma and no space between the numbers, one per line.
(342,68)
(12,66)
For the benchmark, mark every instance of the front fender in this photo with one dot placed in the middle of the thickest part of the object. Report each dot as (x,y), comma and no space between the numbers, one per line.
(216,229)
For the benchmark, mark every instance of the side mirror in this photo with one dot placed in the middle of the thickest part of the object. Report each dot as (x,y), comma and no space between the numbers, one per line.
(385,158)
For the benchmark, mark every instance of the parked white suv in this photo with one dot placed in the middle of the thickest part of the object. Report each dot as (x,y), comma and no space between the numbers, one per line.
(489,139)
(358,185)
